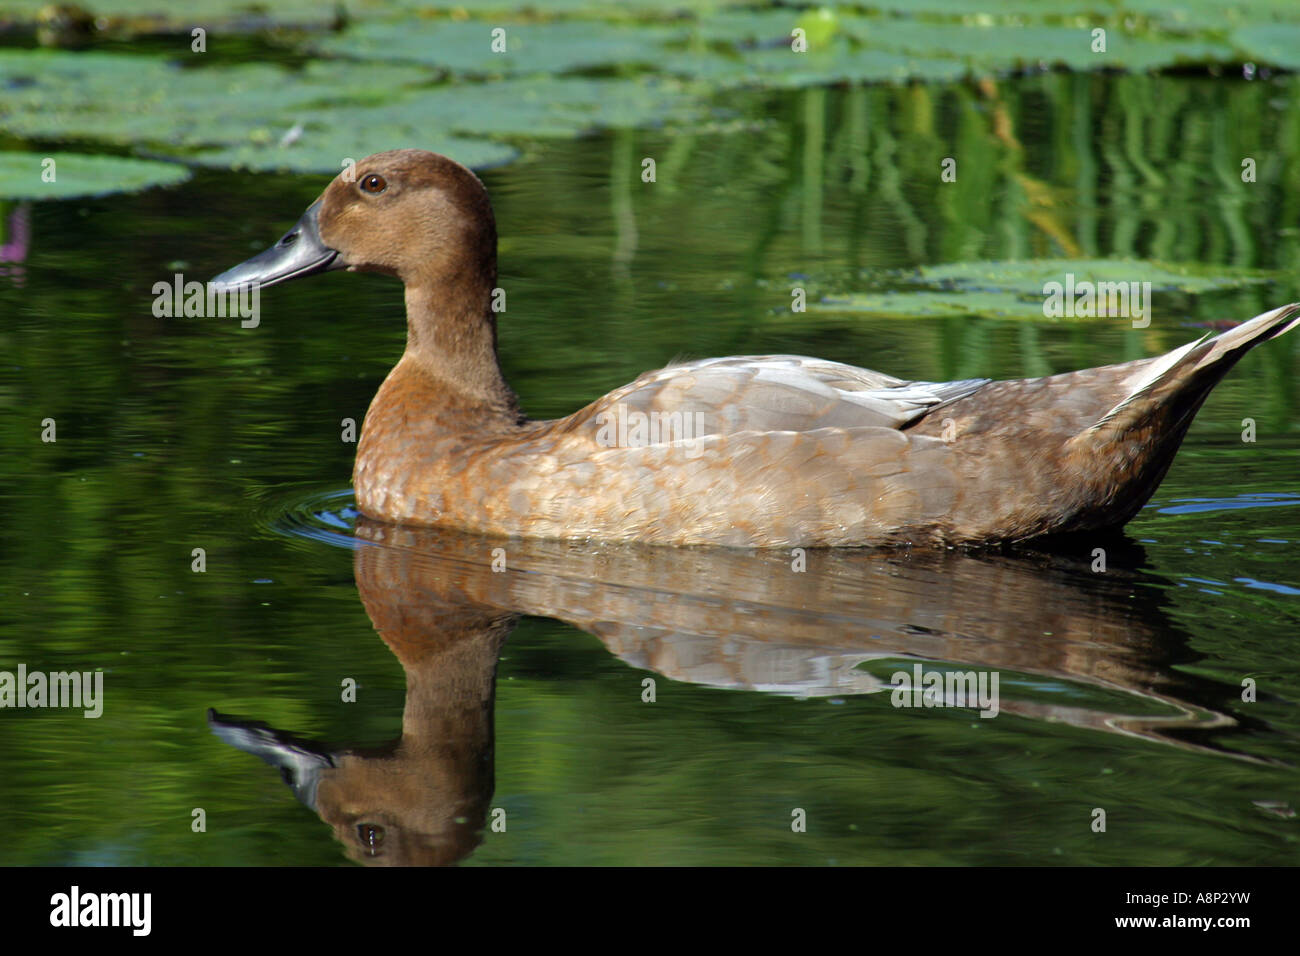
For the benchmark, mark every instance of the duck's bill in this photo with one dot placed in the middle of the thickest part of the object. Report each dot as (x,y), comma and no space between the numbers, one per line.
(300,252)
(300,762)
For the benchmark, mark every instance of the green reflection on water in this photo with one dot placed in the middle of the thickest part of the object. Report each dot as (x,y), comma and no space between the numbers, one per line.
(177,434)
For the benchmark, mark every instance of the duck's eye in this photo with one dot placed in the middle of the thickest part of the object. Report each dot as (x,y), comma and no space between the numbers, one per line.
(371,836)
(374,183)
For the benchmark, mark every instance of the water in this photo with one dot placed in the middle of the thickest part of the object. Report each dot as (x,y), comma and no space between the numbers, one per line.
(1119,690)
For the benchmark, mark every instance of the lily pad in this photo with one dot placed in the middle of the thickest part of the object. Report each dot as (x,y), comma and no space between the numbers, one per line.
(1029,275)
(1016,289)
(158,16)
(536,107)
(34,175)
(782,67)
(1005,46)
(467,47)
(136,100)
(1207,15)
(982,10)
(451,119)
(324,151)
(1275,43)
(263,116)
(735,47)
(925,304)
(595,8)
(134,16)
(732,47)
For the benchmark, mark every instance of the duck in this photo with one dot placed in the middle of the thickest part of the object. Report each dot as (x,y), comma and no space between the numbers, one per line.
(755,451)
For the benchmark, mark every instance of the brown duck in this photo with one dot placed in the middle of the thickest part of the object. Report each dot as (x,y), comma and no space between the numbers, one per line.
(751,451)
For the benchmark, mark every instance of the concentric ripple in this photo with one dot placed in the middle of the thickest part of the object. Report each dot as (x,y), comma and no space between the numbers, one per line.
(327,516)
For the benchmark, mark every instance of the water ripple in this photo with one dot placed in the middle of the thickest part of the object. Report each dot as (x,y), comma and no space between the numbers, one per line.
(327,517)
(1183,506)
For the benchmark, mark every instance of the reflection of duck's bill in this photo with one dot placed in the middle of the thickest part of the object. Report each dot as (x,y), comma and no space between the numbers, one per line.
(299,252)
(299,763)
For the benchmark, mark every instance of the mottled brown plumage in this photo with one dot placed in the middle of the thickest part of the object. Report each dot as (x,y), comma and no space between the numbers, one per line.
(765,451)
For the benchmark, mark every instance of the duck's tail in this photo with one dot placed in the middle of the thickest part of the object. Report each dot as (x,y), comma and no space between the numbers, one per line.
(1176,384)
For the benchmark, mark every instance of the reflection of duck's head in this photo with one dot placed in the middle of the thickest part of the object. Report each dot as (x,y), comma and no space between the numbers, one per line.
(421,800)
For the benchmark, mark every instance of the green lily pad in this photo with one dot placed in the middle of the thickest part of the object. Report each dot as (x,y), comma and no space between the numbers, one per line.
(1015,289)
(750,27)
(136,100)
(466,47)
(537,107)
(1029,275)
(458,116)
(782,67)
(24,175)
(982,10)
(262,116)
(1006,46)
(1207,15)
(733,47)
(246,15)
(325,151)
(160,16)
(567,8)
(746,47)
(925,304)
(1275,43)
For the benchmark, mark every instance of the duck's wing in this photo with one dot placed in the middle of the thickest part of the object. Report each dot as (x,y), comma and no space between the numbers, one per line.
(771,393)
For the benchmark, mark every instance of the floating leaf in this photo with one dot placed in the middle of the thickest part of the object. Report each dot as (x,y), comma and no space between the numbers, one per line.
(780,66)
(466,47)
(932,304)
(23,175)
(1274,43)
(240,116)
(1006,46)
(145,100)
(160,16)
(325,151)
(1208,15)
(1015,289)
(151,16)
(1028,276)
(536,107)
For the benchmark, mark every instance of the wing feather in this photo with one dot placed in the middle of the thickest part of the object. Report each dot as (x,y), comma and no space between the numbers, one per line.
(765,393)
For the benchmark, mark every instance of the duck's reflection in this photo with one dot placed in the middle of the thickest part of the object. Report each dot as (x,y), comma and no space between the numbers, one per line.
(1089,649)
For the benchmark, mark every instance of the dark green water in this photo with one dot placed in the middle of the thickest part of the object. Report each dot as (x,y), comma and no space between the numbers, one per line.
(1120,690)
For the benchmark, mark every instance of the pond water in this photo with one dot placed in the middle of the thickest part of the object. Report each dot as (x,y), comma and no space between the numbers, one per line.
(502,717)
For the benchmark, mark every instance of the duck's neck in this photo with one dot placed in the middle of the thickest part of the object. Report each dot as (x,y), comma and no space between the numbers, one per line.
(451,344)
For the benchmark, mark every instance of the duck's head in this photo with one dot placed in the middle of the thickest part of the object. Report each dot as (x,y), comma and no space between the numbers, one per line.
(407,213)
